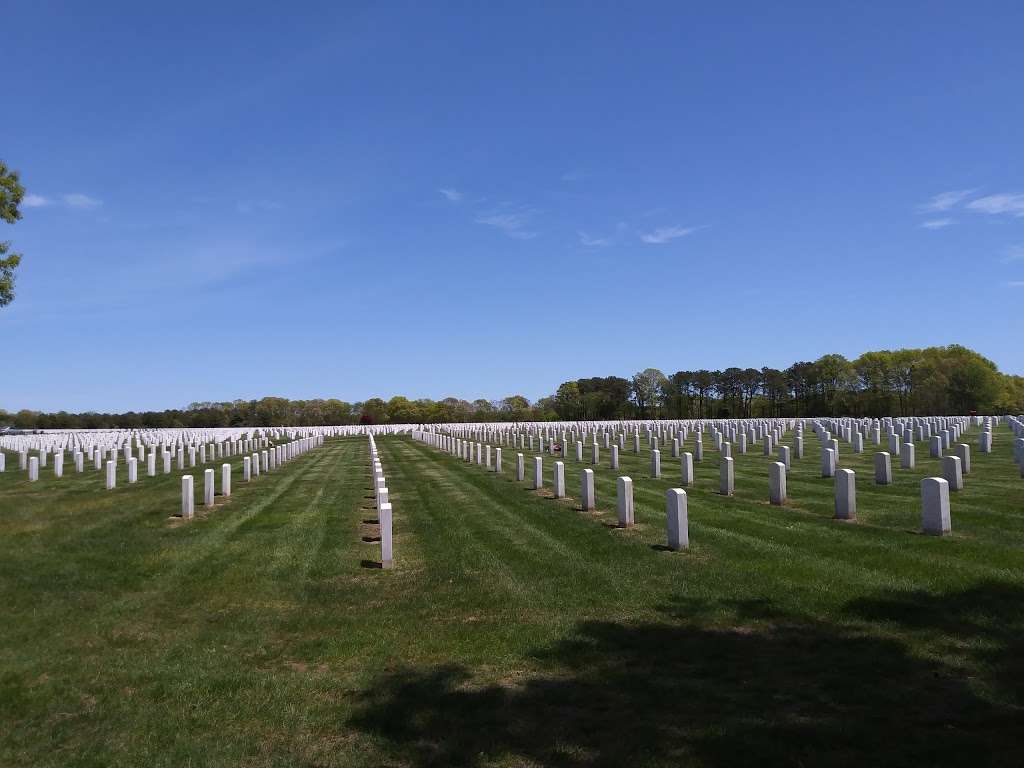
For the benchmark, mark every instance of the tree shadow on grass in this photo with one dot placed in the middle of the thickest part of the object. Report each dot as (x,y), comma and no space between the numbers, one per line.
(766,688)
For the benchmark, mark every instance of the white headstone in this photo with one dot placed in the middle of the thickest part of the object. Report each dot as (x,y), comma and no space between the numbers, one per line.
(883,468)
(559,483)
(726,476)
(935,506)
(187,497)
(678,520)
(907,456)
(686,469)
(387,547)
(587,489)
(777,482)
(208,487)
(846,494)
(953,472)
(624,493)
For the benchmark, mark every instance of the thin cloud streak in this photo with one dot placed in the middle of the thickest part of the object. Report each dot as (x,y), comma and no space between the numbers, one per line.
(593,242)
(663,235)
(513,224)
(936,223)
(453,195)
(1013,253)
(1005,202)
(945,200)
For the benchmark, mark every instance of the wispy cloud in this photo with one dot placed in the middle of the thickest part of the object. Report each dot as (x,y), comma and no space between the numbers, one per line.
(80,201)
(593,242)
(1007,203)
(663,235)
(936,223)
(945,200)
(257,206)
(452,195)
(515,224)
(573,176)
(1013,253)
(35,201)
(1015,284)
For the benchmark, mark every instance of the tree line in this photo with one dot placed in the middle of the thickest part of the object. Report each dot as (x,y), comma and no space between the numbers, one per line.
(905,382)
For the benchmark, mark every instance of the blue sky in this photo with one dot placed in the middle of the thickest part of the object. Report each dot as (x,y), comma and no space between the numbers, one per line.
(454,199)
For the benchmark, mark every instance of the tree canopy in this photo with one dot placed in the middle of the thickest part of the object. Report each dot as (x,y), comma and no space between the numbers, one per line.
(11,195)
(904,382)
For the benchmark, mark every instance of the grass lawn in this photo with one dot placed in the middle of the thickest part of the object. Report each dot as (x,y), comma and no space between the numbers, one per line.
(514,629)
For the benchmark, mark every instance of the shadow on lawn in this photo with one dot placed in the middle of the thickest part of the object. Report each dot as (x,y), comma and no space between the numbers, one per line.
(767,689)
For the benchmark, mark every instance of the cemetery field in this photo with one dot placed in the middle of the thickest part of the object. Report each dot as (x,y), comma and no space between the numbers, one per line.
(514,629)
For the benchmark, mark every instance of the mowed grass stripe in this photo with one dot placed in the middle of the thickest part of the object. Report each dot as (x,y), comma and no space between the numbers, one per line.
(492,541)
(824,550)
(552,540)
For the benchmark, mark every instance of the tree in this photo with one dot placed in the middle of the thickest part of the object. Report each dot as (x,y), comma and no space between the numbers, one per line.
(678,393)
(836,377)
(568,401)
(876,376)
(728,386)
(703,381)
(974,383)
(774,385)
(801,378)
(515,408)
(401,410)
(647,387)
(11,194)
(904,367)
(373,411)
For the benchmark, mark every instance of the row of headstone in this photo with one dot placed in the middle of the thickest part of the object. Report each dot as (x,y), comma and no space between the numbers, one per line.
(385,518)
(676,507)
(271,458)
(935,516)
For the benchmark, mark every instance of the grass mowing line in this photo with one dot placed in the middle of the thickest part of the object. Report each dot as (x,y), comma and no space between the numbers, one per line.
(599,572)
(766,542)
(758,532)
(787,551)
(823,569)
(297,535)
(188,560)
(556,526)
(340,548)
(470,531)
(549,537)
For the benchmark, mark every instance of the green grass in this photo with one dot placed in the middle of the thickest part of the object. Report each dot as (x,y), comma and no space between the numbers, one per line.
(514,629)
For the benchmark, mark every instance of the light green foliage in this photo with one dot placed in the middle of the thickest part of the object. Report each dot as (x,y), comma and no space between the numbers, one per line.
(11,195)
